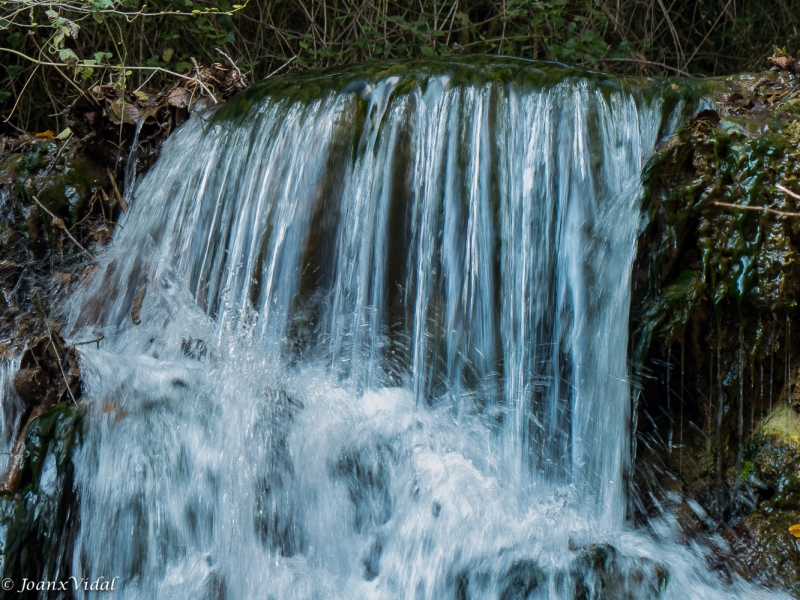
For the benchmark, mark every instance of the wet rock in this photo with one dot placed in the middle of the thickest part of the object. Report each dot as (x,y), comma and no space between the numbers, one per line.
(713,329)
(775,460)
(763,550)
(30,385)
(599,573)
(196,349)
(40,519)
(521,579)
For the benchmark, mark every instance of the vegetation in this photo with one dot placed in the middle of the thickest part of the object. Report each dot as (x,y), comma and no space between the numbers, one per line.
(57,51)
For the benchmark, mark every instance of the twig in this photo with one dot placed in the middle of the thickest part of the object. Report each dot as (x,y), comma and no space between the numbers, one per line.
(763,209)
(130,16)
(122,204)
(94,341)
(118,67)
(710,31)
(788,192)
(58,154)
(58,222)
(39,307)
(286,64)
(234,65)
(650,62)
(202,85)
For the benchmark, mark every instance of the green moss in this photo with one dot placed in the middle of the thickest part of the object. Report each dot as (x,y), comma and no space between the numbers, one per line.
(783,424)
(68,190)
(476,70)
(704,256)
(667,312)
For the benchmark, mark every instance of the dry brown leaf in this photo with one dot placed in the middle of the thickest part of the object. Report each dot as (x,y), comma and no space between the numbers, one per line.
(784,62)
(795,530)
(44,135)
(179,97)
(124,111)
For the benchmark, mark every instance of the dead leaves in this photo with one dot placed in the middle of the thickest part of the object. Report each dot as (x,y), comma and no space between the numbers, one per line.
(130,108)
(756,100)
(49,371)
(795,530)
(782,60)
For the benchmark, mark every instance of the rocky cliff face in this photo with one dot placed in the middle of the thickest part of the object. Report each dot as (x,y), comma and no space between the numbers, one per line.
(713,331)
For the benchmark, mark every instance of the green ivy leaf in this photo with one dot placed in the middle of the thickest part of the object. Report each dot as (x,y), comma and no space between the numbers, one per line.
(13,39)
(68,56)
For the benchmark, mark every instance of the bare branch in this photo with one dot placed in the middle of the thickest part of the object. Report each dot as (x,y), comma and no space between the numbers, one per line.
(58,222)
(787,192)
(761,209)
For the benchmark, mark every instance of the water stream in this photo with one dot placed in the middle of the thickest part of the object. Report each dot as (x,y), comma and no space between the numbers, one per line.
(366,337)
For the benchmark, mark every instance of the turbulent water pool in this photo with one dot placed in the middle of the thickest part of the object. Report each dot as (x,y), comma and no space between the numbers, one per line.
(366,337)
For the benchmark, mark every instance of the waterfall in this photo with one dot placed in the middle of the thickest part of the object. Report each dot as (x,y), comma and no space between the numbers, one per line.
(366,337)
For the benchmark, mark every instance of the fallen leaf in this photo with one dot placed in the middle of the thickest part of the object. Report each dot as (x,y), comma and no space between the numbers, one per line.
(795,530)
(179,97)
(44,135)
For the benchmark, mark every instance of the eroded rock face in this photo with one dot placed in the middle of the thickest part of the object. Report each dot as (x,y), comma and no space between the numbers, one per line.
(713,331)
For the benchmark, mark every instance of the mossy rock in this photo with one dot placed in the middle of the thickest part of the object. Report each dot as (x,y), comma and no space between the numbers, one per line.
(63,187)
(67,191)
(474,70)
(37,520)
(775,460)
(765,551)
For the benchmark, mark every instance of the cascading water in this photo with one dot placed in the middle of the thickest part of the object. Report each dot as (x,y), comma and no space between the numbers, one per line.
(366,338)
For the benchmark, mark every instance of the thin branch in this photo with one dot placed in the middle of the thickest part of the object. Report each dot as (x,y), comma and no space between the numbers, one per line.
(58,358)
(129,15)
(119,67)
(710,31)
(96,340)
(761,209)
(286,64)
(58,222)
(234,65)
(787,192)
(202,85)
(652,63)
